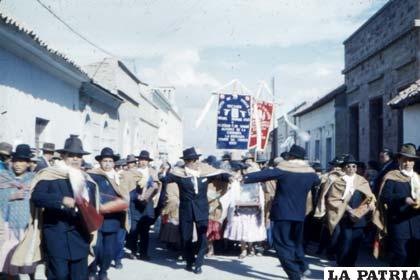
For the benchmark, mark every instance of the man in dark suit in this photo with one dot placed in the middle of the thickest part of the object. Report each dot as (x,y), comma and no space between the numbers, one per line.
(47,155)
(295,179)
(65,240)
(192,181)
(106,246)
(386,158)
(402,209)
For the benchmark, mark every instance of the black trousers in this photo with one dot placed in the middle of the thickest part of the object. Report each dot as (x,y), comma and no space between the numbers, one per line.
(139,229)
(348,245)
(288,243)
(405,252)
(187,236)
(106,246)
(62,269)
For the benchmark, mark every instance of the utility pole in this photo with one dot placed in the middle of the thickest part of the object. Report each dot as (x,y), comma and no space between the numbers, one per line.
(274,150)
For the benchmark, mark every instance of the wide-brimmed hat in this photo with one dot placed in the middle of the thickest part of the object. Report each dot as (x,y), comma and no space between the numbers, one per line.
(317,166)
(227,156)
(6,149)
(73,145)
(337,161)
(349,159)
(408,150)
(22,151)
(48,147)
(189,154)
(297,152)
(131,158)
(107,153)
(121,162)
(236,165)
(144,155)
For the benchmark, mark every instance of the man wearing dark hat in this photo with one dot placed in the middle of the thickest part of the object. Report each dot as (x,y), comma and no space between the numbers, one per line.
(131,161)
(295,178)
(144,186)
(192,180)
(327,241)
(5,155)
(226,158)
(386,158)
(110,193)
(65,240)
(349,195)
(46,158)
(399,209)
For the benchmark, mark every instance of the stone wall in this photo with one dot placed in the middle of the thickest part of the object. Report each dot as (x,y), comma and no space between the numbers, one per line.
(380,60)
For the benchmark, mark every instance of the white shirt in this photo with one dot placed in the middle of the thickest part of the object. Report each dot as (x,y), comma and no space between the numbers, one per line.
(349,186)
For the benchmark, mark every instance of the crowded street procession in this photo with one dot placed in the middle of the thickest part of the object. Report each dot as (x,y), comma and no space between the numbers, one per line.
(107,174)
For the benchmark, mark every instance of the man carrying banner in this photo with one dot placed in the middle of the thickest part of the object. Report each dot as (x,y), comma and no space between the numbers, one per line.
(294,178)
(192,180)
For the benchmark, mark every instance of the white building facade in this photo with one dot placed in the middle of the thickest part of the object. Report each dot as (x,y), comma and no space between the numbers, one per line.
(44,97)
(41,97)
(170,136)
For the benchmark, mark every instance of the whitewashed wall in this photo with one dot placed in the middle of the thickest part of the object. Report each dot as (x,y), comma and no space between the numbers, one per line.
(320,123)
(28,92)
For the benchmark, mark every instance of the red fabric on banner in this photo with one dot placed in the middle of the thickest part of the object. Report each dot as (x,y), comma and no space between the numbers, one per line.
(265,111)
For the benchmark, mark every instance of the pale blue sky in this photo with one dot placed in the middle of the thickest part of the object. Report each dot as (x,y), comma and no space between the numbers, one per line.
(199,45)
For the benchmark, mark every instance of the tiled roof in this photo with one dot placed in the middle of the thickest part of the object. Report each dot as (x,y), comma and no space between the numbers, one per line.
(406,97)
(24,31)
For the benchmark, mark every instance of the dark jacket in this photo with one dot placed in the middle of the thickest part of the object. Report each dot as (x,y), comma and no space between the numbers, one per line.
(289,203)
(355,201)
(403,221)
(192,206)
(390,165)
(63,232)
(112,221)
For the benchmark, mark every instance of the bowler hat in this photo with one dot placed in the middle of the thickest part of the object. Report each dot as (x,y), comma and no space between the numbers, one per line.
(408,150)
(144,155)
(297,152)
(22,151)
(227,156)
(6,149)
(349,159)
(48,147)
(189,154)
(316,165)
(131,158)
(121,162)
(337,161)
(236,165)
(73,145)
(107,153)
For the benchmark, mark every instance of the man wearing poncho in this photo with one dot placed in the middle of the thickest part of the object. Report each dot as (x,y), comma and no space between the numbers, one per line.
(111,196)
(398,213)
(346,194)
(54,193)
